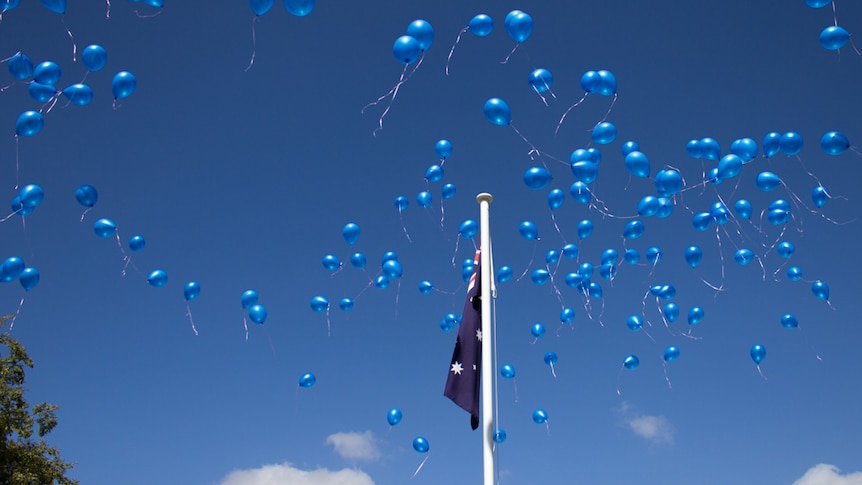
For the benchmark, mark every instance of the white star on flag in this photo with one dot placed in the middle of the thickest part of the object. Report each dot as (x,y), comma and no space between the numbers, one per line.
(479,335)
(457,368)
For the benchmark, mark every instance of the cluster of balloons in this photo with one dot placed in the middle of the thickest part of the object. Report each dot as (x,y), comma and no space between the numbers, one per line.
(256,311)
(14,268)
(299,8)
(833,37)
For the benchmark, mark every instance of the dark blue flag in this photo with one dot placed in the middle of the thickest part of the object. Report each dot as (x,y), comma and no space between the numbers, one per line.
(463,383)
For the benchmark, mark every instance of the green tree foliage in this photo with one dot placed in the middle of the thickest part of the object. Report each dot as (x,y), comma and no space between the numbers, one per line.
(25,457)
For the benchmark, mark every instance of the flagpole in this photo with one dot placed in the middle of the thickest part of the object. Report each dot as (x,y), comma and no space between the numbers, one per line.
(484,199)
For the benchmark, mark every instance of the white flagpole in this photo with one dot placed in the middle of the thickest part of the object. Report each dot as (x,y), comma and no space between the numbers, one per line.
(484,200)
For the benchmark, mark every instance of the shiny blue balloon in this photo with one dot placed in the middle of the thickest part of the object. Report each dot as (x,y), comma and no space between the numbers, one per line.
(123,84)
(818,3)
(591,82)
(31,195)
(695,315)
(448,322)
(743,256)
(537,178)
(105,228)
(424,199)
(604,133)
(744,148)
(307,380)
(550,358)
(819,196)
(834,143)
(499,435)
(665,292)
(729,166)
(331,262)
(637,164)
(790,143)
(610,256)
(712,176)
(634,229)
(653,255)
(504,274)
(507,371)
(670,354)
(320,304)
(570,250)
(29,278)
(632,256)
(468,229)
(20,66)
(406,49)
(767,181)
(299,8)
(540,416)
(79,94)
(668,182)
(540,80)
(191,290)
(41,92)
(711,149)
(834,37)
(693,255)
(249,299)
(401,202)
(785,249)
(586,269)
(421,445)
(556,197)
(350,232)
(137,243)
(567,315)
(157,278)
(573,280)
(631,362)
(528,230)
(758,353)
(422,32)
(392,269)
(540,276)
(12,267)
(580,192)
(382,281)
(788,320)
(47,72)
(771,144)
(394,416)
(647,206)
(260,7)
(820,290)
(743,208)
(358,260)
(519,25)
(425,287)
(607,83)
(777,216)
(585,171)
(585,228)
(29,123)
(481,25)
(94,57)
(630,146)
(345,304)
(634,323)
(390,256)
(497,112)
(537,330)
(670,312)
(443,149)
(665,208)
(552,256)
(594,290)
(794,273)
(694,149)
(701,221)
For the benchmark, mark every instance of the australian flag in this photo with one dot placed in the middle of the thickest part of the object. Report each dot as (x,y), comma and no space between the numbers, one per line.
(463,383)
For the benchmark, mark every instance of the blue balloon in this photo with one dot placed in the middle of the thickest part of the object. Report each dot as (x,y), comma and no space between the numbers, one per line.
(665,292)
(743,208)
(789,321)
(540,416)
(31,195)
(570,250)
(637,164)
(499,435)
(631,362)
(550,358)
(191,290)
(394,416)
(556,198)
(670,354)
(507,371)
(574,280)
(834,37)
(794,273)
(743,256)
(610,256)
(12,267)
(422,32)
(744,148)
(580,192)
(105,228)
(552,256)
(634,230)
(406,49)
(448,191)
(137,243)
(819,196)
(358,260)
(448,322)
(346,304)
(392,269)
(249,299)
(820,290)
(350,232)
(695,315)
(634,322)
(785,249)
(834,143)
(540,80)
(443,149)
(257,314)
(47,72)
(604,133)
(771,144)
(670,311)
(594,290)
(693,255)
(401,202)
(701,221)
(123,84)
(425,287)
(632,256)
(630,146)
(665,208)
(299,8)
(424,199)
(382,282)
(585,228)
(157,278)
(320,304)
(607,83)
(20,66)
(540,276)
(519,25)
(653,255)
(711,149)
(94,57)
(537,330)
(504,274)
(668,182)
(767,181)
(729,166)
(567,315)
(79,94)
(537,178)
(591,82)
(260,7)
(331,262)
(694,149)
(790,143)
(818,3)
(29,278)
(497,112)
(41,92)
(585,171)
(468,228)
(481,25)
(647,206)
(528,230)
(421,445)
(758,353)
(307,380)
(29,123)
(586,269)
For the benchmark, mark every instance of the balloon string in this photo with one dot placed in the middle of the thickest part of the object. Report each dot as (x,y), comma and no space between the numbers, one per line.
(397,297)
(189,313)
(563,118)
(148,16)
(253,42)
(442,214)
(515,385)
(610,108)
(329,326)
(760,371)
(17,311)
(506,60)
(403,227)
(74,46)
(108,13)
(455,253)
(420,467)
(553,372)
(10,215)
(245,326)
(88,209)
(17,164)
(452,51)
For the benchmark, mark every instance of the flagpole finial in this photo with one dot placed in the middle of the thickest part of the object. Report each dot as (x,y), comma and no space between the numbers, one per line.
(484,197)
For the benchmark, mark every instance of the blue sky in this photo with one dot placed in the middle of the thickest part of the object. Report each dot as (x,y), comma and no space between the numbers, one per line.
(243,179)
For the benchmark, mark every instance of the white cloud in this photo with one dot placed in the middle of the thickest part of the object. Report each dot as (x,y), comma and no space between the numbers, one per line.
(824,474)
(656,429)
(286,474)
(354,446)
